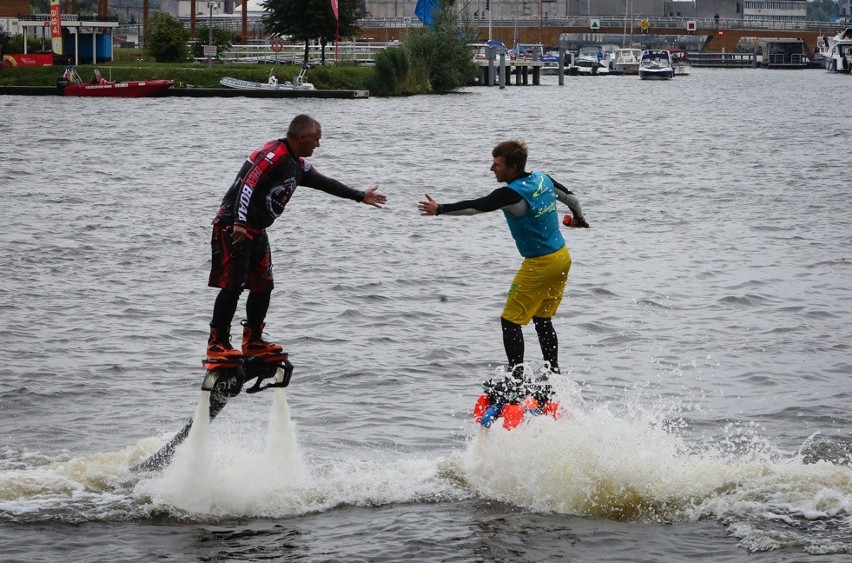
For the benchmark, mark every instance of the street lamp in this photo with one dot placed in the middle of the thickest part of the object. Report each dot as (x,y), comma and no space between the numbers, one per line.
(210,31)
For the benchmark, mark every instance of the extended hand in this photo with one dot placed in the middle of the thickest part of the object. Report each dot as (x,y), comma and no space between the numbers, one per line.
(428,207)
(580,222)
(374,198)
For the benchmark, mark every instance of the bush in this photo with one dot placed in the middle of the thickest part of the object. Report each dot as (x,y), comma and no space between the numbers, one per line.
(397,75)
(443,51)
(342,77)
(165,38)
(15,44)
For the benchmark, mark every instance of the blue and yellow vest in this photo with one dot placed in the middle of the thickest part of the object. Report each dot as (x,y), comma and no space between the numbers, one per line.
(536,233)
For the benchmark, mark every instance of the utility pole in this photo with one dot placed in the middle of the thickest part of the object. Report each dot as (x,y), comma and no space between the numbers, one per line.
(488,7)
(210,32)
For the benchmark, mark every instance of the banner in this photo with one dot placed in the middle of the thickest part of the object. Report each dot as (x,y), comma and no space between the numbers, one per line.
(27,60)
(335,10)
(56,26)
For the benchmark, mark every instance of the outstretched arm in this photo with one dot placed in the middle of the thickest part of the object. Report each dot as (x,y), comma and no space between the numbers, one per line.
(313,179)
(373,197)
(428,207)
(498,199)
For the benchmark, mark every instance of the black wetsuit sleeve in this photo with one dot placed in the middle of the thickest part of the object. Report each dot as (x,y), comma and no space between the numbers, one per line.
(498,199)
(314,179)
(559,186)
(567,197)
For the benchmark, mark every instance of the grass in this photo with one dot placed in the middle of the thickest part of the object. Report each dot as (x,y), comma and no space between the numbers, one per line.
(129,66)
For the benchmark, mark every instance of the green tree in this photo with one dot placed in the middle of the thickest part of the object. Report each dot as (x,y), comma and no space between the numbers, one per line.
(4,41)
(165,38)
(442,52)
(310,20)
(222,38)
(822,10)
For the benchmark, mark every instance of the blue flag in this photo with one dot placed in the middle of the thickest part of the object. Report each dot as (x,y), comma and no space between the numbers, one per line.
(425,11)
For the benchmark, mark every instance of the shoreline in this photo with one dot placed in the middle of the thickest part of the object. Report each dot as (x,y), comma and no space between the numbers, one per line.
(205,93)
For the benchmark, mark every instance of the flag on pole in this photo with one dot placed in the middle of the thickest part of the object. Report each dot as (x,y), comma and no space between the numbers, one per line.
(56,26)
(425,11)
(336,10)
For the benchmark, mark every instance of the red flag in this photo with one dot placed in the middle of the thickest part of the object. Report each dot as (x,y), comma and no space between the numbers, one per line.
(337,33)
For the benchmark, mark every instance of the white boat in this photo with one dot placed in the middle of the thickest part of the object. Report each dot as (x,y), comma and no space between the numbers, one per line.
(535,52)
(596,59)
(838,55)
(656,64)
(550,64)
(480,50)
(680,62)
(627,60)
(298,83)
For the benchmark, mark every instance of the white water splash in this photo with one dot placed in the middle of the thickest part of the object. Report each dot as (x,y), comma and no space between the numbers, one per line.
(185,482)
(635,465)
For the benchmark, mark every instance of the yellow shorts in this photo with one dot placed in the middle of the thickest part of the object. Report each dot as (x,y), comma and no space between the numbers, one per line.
(538,286)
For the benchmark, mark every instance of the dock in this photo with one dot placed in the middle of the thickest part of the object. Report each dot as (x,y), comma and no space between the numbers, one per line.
(208,93)
(524,71)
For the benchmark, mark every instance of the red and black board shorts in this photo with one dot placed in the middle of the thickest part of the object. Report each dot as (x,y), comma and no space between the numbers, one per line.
(247,265)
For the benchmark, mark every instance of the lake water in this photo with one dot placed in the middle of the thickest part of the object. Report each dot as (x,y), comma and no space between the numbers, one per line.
(705,331)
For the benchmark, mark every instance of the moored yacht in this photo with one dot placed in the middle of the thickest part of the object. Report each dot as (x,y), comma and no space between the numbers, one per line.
(656,64)
(839,56)
(680,62)
(627,60)
(596,59)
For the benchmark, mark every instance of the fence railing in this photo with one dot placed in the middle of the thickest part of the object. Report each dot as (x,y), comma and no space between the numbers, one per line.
(621,20)
(722,60)
(67,17)
(350,52)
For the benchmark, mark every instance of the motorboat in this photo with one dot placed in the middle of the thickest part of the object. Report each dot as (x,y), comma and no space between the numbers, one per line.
(627,60)
(838,57)
(596,59)
(527,52)
(550,63)
(656,64)
(680,62)
(480,50)
(70,84)
(299,82)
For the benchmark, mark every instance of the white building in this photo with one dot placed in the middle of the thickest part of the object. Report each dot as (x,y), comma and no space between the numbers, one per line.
(183,8)
(775,10)
(844,10)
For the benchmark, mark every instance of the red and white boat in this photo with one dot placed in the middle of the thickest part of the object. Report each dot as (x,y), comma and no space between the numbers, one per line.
(71,85)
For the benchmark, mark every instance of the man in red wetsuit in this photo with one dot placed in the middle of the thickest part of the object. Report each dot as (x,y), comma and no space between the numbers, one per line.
(241,254)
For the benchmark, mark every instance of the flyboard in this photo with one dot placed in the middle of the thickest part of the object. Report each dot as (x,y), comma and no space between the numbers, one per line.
(512,399)
(224,379)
